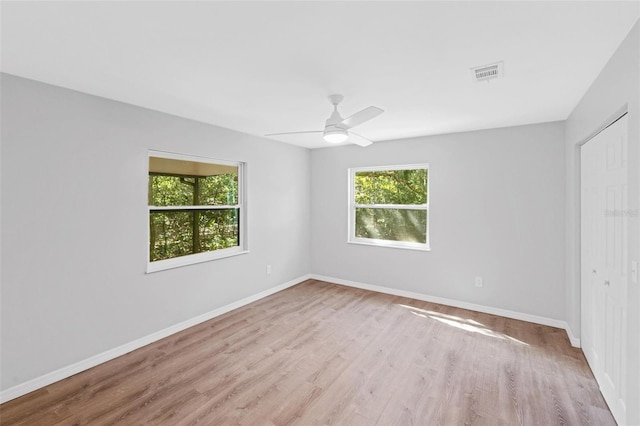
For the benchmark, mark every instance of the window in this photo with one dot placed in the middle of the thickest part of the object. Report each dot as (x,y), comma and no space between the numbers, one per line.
(389,206)
(195,210)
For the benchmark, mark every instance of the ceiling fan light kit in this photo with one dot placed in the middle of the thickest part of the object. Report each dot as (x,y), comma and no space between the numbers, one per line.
(335,135)
(336,128)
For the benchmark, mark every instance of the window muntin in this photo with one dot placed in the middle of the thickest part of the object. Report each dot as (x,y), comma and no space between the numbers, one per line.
(195,210)
(389,206)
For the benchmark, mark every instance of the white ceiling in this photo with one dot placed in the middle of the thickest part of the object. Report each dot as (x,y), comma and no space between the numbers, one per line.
(264,67)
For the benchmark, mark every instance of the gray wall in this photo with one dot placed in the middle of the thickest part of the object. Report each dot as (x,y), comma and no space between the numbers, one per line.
(496,210)
(617,85)
(74,226)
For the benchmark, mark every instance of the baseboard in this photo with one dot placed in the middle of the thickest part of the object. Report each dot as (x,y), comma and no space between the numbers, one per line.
(70,370)
(575,342)
(458,304)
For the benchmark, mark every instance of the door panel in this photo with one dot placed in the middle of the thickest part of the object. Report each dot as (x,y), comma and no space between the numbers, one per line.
(604,257)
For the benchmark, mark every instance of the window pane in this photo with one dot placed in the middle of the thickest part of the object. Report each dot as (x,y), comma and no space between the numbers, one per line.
(173,234)
(218,229)
(216,190)
(220,190)
(391,187)
(392,224)
(170,190)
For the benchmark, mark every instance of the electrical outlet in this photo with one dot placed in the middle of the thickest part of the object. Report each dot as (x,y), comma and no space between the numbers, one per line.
(479,282)
(268,269)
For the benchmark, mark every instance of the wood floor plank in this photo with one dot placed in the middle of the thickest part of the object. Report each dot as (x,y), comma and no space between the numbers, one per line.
(320,354)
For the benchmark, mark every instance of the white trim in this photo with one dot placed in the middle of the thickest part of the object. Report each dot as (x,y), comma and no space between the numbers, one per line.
(390,167)
(392,206)
(621,112)
(209,207)
(193,259)
(575,342)
(390,244)
(70,370)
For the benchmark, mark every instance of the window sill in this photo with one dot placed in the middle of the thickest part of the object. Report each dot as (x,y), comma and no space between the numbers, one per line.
(193,259)
(391,244)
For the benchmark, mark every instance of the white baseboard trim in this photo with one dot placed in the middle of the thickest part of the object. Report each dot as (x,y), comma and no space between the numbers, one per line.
(70,370)
(575,342)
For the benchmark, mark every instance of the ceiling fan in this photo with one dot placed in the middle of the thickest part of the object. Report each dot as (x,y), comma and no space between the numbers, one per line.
(336,128)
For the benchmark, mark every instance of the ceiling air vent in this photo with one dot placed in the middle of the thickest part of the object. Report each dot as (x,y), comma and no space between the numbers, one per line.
(488,72)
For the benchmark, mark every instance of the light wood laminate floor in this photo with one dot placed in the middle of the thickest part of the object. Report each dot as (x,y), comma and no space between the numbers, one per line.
(320,353)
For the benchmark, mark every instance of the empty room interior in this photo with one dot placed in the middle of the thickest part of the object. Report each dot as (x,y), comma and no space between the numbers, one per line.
(313,213)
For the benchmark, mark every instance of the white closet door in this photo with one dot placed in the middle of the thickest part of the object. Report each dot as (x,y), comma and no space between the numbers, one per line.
(604,257)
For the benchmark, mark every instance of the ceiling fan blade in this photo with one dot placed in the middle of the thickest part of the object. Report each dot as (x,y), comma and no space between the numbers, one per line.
(295,133)
(359,140)
(361,116)
(307,139)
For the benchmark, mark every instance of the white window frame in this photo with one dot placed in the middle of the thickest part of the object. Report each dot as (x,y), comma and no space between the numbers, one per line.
(352,239)
(191,259)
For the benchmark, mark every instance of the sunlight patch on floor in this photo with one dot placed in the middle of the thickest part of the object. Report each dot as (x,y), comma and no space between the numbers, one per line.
(465,324)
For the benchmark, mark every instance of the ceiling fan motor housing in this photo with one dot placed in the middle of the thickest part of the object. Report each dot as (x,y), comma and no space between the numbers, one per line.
(333,120)
(333,132)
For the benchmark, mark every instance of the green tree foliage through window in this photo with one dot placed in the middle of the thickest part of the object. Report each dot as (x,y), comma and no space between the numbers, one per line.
(391,187)
(391,204)
(191,214)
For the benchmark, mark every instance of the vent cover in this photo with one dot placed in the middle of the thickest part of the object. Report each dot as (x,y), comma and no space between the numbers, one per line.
(488,72)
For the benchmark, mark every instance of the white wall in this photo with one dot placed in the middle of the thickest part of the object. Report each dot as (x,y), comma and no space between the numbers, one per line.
(617,85)
(496,210)
(74,226)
